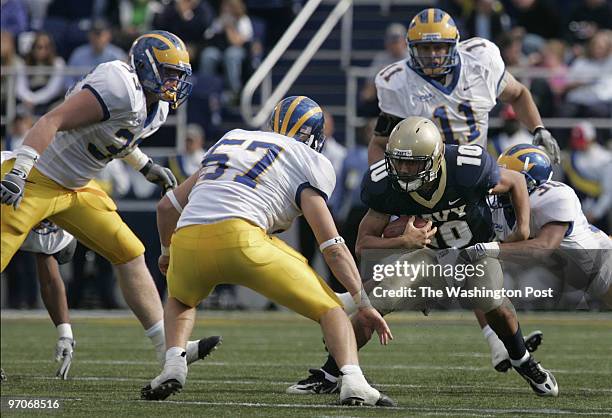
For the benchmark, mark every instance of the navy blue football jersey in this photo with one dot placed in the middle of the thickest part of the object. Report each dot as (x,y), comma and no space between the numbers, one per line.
(458,207)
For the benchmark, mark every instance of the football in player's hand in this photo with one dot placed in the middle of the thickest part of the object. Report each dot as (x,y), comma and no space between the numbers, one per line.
(396,228)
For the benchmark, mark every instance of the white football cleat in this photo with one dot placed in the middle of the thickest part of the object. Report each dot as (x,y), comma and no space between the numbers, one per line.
(170,381)
(356,391)
(542,381)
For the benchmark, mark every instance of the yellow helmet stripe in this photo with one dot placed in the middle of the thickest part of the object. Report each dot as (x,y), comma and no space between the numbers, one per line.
(276,117)
(303,120)
(158,36)
(287,117)
(528,150)
(430,15)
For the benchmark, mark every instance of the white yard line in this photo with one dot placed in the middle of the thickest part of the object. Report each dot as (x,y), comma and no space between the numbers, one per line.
(277,383)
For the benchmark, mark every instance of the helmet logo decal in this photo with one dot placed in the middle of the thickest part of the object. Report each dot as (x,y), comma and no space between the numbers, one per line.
(153,66)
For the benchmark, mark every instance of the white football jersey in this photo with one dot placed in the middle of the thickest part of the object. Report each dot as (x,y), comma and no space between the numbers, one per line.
(77,156)
(557,202)
(460,109)
(257,176)
(46,237)
(554,201)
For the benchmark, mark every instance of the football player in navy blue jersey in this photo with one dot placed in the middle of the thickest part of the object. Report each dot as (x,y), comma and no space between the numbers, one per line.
(447,185)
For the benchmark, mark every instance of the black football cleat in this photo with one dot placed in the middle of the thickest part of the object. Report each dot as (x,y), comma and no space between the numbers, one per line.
(314,384)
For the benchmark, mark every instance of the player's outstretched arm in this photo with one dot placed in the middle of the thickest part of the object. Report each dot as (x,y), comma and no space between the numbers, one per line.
(53,294)
(518,95)
(169,211)
(79,110)
(339,259)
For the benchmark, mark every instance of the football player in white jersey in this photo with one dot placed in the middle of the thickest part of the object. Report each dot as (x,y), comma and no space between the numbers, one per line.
(556,223)
(104,116)
(455,84)
(218,225)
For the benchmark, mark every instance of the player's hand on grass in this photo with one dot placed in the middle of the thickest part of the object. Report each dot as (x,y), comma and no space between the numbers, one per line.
(159,175)
(64,351)
(372,319)
(415,237)
(12,187)
(163,262)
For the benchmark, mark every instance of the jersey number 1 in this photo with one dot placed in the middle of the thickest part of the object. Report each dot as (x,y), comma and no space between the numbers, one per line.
(442,115)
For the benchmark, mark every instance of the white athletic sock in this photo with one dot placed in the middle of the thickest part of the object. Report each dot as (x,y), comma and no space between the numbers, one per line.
(517,363)
(158,338)
(487,331)
(351,369)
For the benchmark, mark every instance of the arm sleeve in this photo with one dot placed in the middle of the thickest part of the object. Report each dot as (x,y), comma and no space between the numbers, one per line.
(478,179)
(488,54)
(388,97)
(318,174)
(114,88)
(558,205)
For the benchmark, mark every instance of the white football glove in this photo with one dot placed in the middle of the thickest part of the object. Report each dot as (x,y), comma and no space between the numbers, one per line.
(64,351)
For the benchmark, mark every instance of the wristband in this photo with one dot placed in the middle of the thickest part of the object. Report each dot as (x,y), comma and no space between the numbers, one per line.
(347,302)
(334,241)
(26,157)
(136,159)
(165,250)
(490,249)
(65,331)
(536,129)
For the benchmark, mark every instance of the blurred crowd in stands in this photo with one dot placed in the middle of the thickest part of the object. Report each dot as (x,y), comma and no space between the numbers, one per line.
(566,43)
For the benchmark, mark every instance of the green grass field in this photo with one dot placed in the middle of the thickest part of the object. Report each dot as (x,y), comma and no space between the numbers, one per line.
(437,365)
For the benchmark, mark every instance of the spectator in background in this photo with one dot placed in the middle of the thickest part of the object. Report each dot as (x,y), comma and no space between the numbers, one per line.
(135,18)
(190,160)
(98,50)
(589,171)
(540,19)
(13,16)
(9,59)
(37,92)
(512,133)
(396,49)
(21,124)
(226,40)
(333,150)
(589,80)
(487,20)
(553,59)
(587,18)
(187,19)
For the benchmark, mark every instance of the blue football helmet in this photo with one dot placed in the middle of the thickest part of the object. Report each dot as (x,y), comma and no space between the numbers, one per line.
(161,62)
(431,26)
(301,118)
(529,160)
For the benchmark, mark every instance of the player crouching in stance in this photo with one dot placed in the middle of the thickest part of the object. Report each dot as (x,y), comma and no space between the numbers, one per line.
(449,185)
(104,116)
(217,225)
(557,224)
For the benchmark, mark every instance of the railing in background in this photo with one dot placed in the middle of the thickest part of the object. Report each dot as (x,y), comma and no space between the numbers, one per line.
(178,120)
(269,100)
